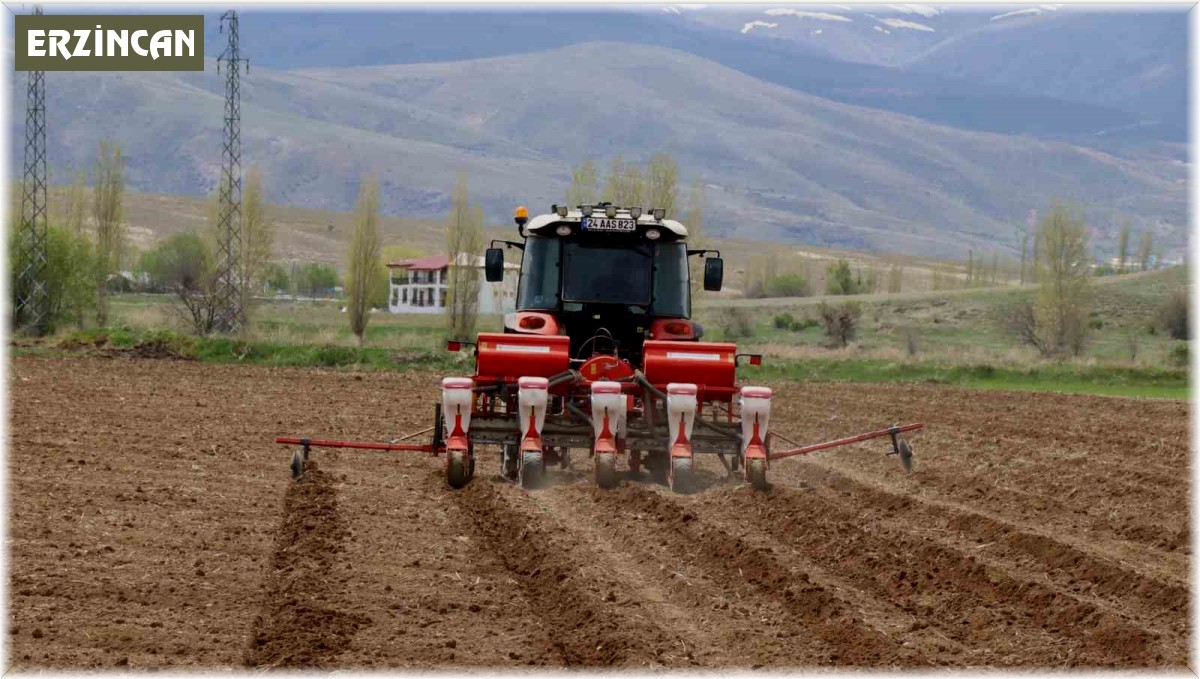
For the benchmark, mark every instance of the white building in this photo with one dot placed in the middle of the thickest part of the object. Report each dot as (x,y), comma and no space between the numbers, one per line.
(418,286)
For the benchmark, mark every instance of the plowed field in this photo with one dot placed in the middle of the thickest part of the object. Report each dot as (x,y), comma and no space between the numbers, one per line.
(154,524)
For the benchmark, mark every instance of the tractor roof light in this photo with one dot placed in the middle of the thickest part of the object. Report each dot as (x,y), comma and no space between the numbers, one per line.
(610,211)
(586,210)
(521,215)
(563,230)
(653,234)
(659,213)
(635,212)
(560,210)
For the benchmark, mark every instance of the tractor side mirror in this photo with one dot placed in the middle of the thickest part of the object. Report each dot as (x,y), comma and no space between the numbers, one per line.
(714,273)
(493,265)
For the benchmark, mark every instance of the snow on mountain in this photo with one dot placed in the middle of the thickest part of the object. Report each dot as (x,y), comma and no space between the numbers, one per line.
(749,26)
(904,23)
(1029,11)
(802,14)
(923,10)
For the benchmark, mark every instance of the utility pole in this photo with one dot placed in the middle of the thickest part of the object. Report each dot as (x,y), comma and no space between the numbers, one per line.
(232,315)
(31,294)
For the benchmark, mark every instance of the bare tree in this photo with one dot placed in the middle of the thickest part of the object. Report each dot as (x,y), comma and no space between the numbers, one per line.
(184,263)
(362,265)
(109,173)
(76,203)
(624,185)
(895,277)
(840,322)
(1123,244)
(583,187)
(464,243)
(1065,278)
(661,182)
(258,238)
(1145,250)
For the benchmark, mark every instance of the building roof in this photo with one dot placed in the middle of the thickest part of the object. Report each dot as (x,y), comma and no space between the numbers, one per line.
(434,263)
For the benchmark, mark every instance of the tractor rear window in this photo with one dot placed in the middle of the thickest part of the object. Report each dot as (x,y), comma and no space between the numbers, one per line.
(606,275)
(539,274)
(672,292)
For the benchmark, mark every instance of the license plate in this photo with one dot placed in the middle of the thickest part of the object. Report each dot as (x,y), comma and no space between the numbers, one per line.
(606,224)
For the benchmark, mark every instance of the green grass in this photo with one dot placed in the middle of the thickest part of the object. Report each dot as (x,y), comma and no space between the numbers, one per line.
(229,350)
(1065,378)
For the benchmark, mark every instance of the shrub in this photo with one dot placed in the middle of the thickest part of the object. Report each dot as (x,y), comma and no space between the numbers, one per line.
(784,321)
(840,322)
(1173,316)
(1179,355)
(787,285)
(70,281)
(910,341)
(840,280)
(737,324)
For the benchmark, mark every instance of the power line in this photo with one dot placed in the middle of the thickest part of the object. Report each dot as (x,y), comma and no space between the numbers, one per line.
(31,293)
(232,314)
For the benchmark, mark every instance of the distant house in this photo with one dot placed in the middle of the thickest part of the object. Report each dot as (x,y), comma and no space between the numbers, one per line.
(418,286)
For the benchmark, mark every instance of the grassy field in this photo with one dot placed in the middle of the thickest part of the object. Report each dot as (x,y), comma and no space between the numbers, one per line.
(961,326)
(943,337)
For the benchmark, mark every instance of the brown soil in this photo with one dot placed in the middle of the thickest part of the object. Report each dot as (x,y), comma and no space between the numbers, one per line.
(153,524)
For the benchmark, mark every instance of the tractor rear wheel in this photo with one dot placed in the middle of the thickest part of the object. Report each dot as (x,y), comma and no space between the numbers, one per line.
(756,473)
(458,468)
(531,470)
(680,477)
(606,470)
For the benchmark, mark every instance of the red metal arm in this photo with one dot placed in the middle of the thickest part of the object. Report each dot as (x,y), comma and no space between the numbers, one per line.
(320,443)
(846,441)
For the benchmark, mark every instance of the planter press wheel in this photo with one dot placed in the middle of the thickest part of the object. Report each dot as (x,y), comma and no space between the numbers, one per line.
(606,469)
(680,477)
(460,466)
(657,464)
(510,461)
(297,465)
(531,469)
(298,460)
(756,473)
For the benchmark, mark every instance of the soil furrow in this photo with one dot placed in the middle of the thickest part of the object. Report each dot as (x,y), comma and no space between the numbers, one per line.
(587,623)
(725,622)
(302,623)
(811,608)
(1169,567)
(955,591)
(1074,570)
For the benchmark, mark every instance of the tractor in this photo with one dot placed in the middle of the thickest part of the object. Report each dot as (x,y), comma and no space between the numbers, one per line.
(601,357)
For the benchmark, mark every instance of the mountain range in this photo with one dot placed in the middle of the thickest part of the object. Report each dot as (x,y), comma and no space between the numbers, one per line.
(795,142)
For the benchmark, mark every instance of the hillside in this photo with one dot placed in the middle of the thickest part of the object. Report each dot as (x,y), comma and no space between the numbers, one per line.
(301,234)
(837,60)
(309,235)
(779,164)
